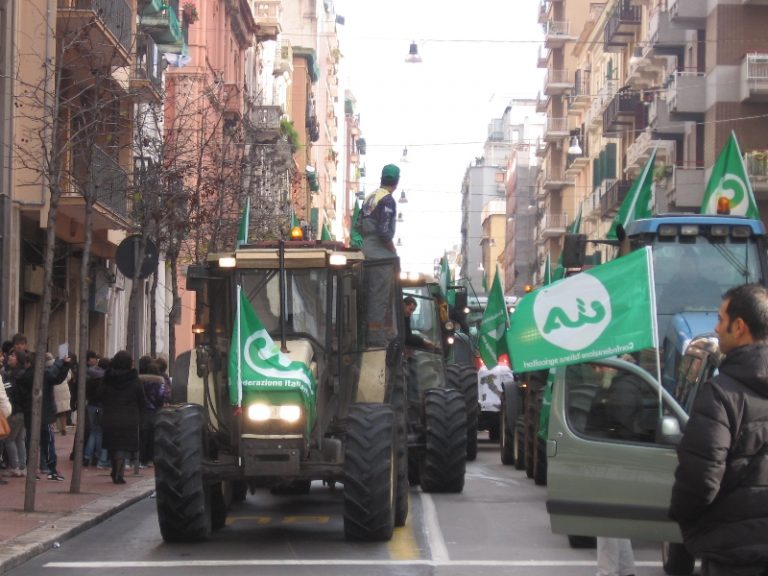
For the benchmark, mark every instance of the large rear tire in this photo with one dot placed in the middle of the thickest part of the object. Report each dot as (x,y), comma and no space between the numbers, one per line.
(443,464)
(540,462)
(519,443)
(183,502)
(370,469)
(507,440)
(464,379)
(676,559)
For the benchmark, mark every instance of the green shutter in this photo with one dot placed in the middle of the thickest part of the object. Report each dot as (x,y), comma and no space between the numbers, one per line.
(610,159)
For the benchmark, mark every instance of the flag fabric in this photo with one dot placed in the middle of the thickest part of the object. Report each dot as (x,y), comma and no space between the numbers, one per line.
(729,179)
(493,326)
(355,238)
(245,220)
(485,283)
(325,234)
(294,220)
(445,275)
(595,314)
(547,271)
(257,366)
(639,200)
(573,228)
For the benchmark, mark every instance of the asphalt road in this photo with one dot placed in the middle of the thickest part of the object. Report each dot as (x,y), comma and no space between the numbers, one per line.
(497,526)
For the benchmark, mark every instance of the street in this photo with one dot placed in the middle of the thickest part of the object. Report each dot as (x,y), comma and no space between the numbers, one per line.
(497,526)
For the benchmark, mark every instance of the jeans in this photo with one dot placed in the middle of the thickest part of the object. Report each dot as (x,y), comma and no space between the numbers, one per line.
(16,443)
(93,444)
(48,456)
(614,557)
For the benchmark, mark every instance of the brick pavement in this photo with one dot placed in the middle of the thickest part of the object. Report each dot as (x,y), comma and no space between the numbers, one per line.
(60,514)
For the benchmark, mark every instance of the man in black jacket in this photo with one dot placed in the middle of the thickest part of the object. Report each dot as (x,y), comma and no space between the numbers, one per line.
(720,495)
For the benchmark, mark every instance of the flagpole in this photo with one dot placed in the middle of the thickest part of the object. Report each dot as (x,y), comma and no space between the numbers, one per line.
(238,343)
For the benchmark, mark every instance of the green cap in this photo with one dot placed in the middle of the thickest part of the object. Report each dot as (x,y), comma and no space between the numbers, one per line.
(390,174)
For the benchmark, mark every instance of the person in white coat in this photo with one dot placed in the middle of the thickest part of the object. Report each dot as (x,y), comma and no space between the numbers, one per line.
(5,409)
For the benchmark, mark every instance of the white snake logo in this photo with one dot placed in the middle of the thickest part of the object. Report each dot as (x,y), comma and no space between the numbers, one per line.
(734,188)
(266,351)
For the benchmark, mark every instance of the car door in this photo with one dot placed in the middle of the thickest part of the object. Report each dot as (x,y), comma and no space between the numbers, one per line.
(610,468)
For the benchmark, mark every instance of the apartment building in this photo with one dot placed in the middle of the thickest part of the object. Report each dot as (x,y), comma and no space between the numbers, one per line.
(677,76)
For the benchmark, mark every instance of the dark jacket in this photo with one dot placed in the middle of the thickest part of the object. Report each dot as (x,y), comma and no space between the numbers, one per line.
(122,398)
(22,392)
(720,495)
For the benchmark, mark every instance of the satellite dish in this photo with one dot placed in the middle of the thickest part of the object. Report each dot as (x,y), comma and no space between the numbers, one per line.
(128,254)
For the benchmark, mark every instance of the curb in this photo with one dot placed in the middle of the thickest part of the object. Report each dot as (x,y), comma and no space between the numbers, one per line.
(22,548)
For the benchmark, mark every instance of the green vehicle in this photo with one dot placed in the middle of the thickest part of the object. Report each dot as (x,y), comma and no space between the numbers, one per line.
(225,435)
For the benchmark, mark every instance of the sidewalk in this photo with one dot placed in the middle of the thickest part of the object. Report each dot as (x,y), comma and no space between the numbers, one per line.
(59,514)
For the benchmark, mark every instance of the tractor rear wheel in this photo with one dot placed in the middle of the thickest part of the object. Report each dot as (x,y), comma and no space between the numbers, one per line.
(443,465)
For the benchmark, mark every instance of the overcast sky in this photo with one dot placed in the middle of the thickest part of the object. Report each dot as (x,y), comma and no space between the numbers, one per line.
(476,57)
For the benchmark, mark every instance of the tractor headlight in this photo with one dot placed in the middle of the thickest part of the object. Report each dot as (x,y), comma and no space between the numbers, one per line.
(289,413)
(259,412)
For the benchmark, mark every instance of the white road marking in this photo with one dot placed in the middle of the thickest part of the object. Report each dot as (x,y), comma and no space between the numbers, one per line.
(437,547)
(329,562)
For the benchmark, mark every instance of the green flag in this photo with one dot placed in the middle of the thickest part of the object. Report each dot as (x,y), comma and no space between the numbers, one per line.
(258,370)
(573,228)
(547,271)
(294,220)
(445,275)
(245,220)
(355,238)
(729,179)
(602,312)
(484,283)
(326,234)
(493,327)
(639,200)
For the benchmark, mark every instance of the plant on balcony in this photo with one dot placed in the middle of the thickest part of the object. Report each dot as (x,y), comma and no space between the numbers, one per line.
(287,130)
(189,13)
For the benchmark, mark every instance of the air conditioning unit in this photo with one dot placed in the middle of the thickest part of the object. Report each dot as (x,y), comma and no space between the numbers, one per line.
(33,279)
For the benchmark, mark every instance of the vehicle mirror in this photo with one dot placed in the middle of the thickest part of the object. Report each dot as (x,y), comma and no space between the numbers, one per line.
(669,431)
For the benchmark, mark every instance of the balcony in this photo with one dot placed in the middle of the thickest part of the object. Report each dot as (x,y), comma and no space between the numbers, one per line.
(754,78)
(147,75)
(544,11)
(594,117)
(232,101)
(555,129)
(580,96)
(757,169)
(611,199)
(541,148)
(592,205)
(104,179)
(265,123)
(642,148)
(620,112)
(284,58)
(542,103)
(553,224)
(557,82)
(164,27)
(556,34)
(543,60)
(268,14)
(555,179)
(687,95)
(690,14)
(659,121)
(621,26)
(664,38)
(107,27)
(687,190)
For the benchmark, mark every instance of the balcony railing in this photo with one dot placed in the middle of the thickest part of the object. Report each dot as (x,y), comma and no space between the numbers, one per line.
(621,111)
(557,82)
(115,16)
(757,169)
(265,121)
(267,14)
(553,224)
(555,128)
(754,77)
(614,195)
(165,27)
(621,26)
(642,148)
(556,33)
(665,39)
(687,95)
(147,68)
(108,182)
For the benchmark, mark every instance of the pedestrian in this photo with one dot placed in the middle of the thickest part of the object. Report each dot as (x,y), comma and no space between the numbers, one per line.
(154,393)
(62,397)
(376,225)
(720,494)
(94,377)
(122,396)
(615,557)
(5,410)
(162,365)
(15,444)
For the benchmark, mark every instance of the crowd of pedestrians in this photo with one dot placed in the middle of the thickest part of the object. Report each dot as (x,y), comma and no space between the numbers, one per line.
(120,409)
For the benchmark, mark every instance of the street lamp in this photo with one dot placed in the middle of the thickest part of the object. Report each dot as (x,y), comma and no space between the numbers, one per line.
(403,199)
(574,149)
(413,54)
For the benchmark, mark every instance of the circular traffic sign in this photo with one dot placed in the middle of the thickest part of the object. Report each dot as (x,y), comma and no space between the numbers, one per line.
(127,257)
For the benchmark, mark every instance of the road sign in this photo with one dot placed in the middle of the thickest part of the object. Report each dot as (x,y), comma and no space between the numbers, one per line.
(128,254)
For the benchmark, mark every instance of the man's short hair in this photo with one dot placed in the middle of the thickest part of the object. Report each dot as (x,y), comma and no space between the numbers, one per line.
(750,303)
(410,300)
(19,338)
